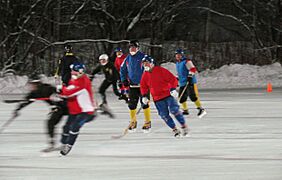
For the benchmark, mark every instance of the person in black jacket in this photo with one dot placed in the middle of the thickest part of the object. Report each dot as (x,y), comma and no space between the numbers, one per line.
(111,78)
(64,65)
(58,107)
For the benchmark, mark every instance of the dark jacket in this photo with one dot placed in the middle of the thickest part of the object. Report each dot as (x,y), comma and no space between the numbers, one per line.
(64,66)
(109,70)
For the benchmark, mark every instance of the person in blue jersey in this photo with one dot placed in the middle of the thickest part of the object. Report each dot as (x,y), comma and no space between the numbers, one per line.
(130,74)
(187,83)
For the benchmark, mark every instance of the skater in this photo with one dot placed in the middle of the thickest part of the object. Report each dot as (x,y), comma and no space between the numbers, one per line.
(64,65)
(187,83)
(58,108)
(118,62)
(130,74)
(162,85)
(80,103)
(111,78)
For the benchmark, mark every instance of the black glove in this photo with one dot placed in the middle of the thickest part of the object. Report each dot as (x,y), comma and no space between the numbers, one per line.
(125,83)
(190,79)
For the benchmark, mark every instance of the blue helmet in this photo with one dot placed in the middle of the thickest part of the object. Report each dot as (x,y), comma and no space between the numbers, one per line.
(78,67)
(148,58)
(179,51)
(118,49)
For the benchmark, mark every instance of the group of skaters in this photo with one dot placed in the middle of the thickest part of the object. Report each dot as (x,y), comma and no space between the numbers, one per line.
(135,78)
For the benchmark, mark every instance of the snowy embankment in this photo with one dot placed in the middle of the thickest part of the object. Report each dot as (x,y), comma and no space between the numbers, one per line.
(226,77)
(238,76)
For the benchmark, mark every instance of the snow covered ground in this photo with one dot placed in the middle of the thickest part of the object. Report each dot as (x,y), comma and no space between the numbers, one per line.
(240,138)
(233,76)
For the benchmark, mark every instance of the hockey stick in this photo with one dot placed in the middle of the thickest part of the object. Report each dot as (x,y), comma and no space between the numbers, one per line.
(6,124)
(23,100)
(183,91)
(125,132)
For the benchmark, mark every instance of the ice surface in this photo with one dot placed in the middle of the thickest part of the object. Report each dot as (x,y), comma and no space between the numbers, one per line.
(239,139)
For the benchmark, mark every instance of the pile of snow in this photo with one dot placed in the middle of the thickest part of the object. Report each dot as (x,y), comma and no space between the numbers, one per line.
(237,76)
(226,77)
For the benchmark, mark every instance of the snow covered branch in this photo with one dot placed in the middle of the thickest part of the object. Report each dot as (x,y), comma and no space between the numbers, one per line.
(226,15)
(137,17)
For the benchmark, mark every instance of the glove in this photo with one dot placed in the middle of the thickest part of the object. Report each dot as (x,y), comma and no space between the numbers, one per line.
(125,83)
(59,88)
(190,79)
(145,100)
(55,97)
(174,93)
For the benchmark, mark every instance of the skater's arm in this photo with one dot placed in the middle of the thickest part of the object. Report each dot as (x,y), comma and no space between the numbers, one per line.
(144,87)
(190,66)
(73,89)
(170,78)
(123,71)
(95,71)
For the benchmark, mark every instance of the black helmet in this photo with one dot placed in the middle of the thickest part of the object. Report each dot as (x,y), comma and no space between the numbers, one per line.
(68,48)
(134,43)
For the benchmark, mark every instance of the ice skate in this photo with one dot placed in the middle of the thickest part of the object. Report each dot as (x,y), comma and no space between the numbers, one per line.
(123,97)
(66,149)
(176,133)
(105,110)
(49,149)
(147,127)
(132,127)
(185,112)
(51,146)
(202,112)
(185,131)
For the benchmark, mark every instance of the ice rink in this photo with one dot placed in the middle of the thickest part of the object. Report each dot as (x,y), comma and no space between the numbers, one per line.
(239,139)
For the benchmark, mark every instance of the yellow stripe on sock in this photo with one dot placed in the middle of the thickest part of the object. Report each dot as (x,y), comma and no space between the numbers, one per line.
(133,115)
(184,106)
(198,103)
(196,90)
(147,114)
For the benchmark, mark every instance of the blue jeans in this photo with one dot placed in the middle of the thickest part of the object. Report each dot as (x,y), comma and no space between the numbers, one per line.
(169,105)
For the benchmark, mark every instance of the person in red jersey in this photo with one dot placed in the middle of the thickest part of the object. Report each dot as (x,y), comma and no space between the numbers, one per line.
(162,85)
(80,104)
(120,56)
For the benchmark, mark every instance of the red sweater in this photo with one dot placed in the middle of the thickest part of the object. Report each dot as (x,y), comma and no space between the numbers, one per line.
(119,61)
(159,82)
(80,95)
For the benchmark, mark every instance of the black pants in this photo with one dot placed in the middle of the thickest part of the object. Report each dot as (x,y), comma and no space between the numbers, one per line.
(134,97)
(189,91)
(55,117)
(104,86)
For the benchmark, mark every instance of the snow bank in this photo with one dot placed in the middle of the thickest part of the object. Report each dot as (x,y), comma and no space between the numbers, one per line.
(227,77)
(237,76)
